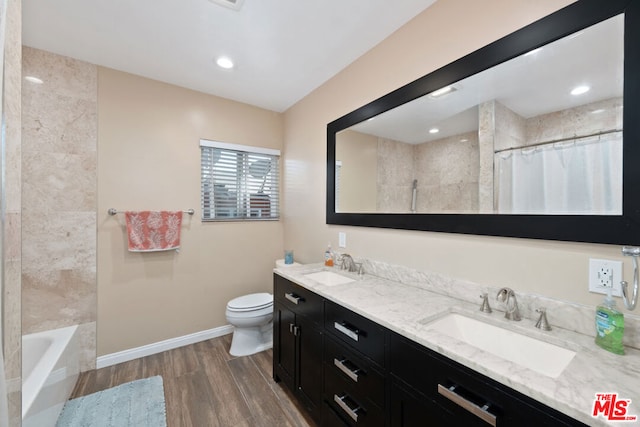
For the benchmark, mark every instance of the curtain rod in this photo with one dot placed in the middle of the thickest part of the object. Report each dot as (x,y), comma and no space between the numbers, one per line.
(553,141)
(113,211)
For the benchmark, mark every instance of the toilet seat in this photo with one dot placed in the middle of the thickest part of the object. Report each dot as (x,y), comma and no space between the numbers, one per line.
(251,302)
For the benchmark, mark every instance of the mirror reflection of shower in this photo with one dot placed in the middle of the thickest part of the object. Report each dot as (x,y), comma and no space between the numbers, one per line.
(414,194)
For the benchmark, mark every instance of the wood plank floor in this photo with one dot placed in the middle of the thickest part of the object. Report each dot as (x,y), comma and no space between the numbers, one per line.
(204,386)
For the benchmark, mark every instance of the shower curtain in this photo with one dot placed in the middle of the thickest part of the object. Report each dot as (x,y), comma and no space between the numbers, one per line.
(583,176)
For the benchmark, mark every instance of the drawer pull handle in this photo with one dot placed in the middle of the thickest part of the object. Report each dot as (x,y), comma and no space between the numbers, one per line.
(353,374)
(342,327)
(352,412)
(480,412)
(293,329)
(293,297)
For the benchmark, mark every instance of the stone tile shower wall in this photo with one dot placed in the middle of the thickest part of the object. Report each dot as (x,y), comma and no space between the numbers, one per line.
(59,160)
(446,170)
(396,172)
(11,262)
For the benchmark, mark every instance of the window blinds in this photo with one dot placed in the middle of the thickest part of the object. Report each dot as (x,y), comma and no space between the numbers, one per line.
(239,182)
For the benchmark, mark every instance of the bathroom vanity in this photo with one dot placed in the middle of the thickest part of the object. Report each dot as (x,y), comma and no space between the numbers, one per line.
(363,353)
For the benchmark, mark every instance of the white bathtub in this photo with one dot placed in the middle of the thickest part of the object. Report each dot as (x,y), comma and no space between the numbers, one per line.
(50,369)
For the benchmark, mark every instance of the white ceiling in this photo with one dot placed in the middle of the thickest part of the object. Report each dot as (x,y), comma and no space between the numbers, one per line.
(529,85)
(283,49)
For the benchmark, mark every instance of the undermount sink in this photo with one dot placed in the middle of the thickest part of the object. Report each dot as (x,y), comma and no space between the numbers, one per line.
(329,278)
(539,356)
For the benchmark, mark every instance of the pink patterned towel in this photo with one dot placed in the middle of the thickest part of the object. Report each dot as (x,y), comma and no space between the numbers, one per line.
(151,231)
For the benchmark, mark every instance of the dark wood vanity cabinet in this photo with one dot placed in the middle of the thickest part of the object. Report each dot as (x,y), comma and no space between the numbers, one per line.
(354,359)
(423,378)
(349,371)
(298,342)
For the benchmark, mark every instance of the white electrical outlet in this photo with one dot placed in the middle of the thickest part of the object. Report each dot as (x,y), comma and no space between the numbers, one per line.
(342,239)
(605,274)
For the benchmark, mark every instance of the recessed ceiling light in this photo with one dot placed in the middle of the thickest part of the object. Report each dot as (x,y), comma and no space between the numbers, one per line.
(33,79)
(224,62)
(434,130)
(579,90)
(442,91)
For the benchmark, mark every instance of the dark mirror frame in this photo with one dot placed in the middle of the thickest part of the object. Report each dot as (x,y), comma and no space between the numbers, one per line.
(614,229)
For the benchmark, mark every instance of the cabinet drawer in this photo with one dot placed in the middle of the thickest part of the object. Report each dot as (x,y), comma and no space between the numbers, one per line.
(298,299)
(461,390)
(359,333)
(353,368)
(350,403)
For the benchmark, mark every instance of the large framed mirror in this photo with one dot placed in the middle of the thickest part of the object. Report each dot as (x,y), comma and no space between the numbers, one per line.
(535,135)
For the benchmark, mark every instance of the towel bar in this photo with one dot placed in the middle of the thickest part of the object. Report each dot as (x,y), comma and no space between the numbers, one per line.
(113,211)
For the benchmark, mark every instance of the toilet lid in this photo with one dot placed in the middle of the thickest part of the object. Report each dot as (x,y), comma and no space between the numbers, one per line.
(251,302)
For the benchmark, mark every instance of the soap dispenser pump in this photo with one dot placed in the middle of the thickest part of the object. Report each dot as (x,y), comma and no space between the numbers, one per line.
(609,325)
(328,256)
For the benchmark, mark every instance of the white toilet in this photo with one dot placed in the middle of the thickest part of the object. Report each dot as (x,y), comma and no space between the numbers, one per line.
(252,319)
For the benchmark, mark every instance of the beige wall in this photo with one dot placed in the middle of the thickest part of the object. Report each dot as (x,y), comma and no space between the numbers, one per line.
(444,32)
(358,154)
(149,158)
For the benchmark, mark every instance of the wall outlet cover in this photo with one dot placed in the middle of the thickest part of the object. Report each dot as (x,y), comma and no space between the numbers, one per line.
(605,274)
(342,239)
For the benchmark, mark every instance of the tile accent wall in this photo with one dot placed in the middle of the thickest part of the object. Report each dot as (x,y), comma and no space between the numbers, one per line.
(12,211)
(59,169)
(447,172)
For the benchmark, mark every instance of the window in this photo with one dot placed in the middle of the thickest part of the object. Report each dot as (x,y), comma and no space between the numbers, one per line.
(239,182)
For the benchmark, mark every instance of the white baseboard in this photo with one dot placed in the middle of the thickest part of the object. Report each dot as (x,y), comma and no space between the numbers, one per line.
(159,347)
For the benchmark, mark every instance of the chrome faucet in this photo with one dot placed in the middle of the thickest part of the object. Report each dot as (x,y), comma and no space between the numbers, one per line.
(347,263)
(512,312)
(485,307)
(542,322)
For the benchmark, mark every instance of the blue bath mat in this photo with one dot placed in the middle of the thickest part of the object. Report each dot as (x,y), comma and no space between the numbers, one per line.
(136,404)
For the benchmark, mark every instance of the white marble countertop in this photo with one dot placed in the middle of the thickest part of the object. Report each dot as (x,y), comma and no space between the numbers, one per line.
(407,309)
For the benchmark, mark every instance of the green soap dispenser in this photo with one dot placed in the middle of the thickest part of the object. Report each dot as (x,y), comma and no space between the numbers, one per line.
(609,325)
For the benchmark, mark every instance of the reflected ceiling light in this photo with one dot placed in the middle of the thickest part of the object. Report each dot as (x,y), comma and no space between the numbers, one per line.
(231,4)
(464,140)
(224,62)
(34,79)
(579,90)
(434,130)
(598,111)
(533,52)
(441,92)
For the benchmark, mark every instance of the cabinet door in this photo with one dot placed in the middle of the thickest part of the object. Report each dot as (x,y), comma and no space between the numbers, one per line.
(284,345)
(309,372)
(410,408)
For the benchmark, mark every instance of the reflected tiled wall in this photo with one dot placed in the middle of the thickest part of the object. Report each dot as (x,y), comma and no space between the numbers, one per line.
(583,120)
(59,197)
(448,174)
(396,172)
(446,170)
